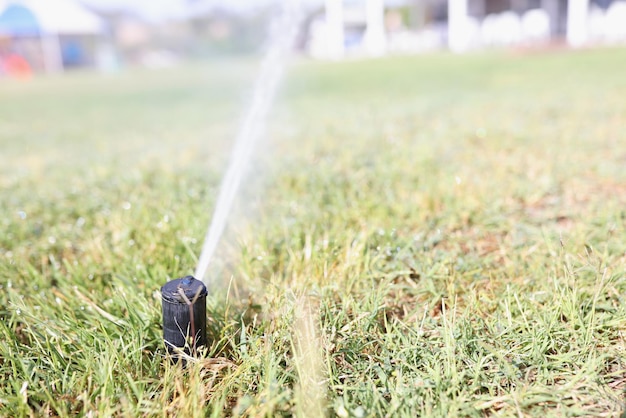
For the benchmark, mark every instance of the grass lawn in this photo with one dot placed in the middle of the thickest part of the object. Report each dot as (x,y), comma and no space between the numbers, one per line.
(435,235)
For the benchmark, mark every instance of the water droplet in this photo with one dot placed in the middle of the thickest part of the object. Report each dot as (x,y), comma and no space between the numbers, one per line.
(22,214)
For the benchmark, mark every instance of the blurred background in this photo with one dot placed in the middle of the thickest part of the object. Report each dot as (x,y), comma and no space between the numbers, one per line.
(51,36)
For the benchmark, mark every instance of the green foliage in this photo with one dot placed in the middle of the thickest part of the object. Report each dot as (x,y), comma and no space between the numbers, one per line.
(433,235)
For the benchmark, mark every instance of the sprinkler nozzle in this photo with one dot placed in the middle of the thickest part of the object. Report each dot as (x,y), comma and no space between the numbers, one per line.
(184,315)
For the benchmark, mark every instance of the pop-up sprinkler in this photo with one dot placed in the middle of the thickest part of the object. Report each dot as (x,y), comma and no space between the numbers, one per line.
(184,315)
(184,300)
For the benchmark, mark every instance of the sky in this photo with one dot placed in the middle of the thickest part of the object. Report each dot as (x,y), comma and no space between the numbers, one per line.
(163,9)
(150,9)
(156,10)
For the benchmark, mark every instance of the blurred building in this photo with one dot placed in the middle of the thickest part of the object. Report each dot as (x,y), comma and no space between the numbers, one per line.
(138,41)
(348,28)
(221,30)
(375,27)
(49,35)
(199,30)
(485,23)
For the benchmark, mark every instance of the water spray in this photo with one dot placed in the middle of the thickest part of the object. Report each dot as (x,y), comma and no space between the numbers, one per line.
(184,300)
(282,36)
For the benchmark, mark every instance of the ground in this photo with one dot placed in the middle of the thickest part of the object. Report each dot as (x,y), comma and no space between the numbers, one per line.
(434,235)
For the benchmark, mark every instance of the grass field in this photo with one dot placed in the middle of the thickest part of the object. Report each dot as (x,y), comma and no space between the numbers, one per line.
(434,236)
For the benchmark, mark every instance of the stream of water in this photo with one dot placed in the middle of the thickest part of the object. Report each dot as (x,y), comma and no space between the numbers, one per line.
(282,36)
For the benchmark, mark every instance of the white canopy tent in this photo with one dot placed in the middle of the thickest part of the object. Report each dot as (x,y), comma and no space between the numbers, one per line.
(57,18)
(65,17)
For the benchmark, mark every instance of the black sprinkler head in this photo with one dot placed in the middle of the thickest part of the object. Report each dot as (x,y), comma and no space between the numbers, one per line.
(184,315)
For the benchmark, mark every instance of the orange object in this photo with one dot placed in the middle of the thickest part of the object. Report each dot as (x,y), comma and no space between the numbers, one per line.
(16,66)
